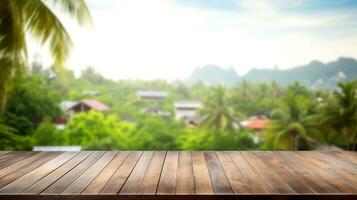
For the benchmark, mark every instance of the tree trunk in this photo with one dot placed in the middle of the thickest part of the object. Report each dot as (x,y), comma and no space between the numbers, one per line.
(354,135)
(3,97)
(347,138)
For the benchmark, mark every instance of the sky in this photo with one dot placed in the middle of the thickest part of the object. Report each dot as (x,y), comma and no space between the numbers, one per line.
(167,39)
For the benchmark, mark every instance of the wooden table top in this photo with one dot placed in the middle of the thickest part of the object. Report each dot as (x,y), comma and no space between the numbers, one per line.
(177,174)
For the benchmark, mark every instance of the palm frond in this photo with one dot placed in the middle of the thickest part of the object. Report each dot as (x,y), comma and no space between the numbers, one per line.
(44,25)
(7,132)
(77,9)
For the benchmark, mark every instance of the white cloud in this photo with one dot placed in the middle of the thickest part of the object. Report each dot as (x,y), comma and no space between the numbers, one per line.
(163,39)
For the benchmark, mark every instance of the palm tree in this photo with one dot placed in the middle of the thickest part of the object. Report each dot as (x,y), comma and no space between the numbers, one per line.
(291,122)
(219,115)
(7,135)
(298,89)
(20,19)
(340,114)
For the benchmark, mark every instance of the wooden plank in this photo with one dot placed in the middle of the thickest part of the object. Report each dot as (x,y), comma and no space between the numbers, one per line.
(3,152)
(276,184)
(167,184)
(81,182)
(26,169)
(45,182)
(235,178)
(133,175)
(27,180)
(11,168)
(120,176)
(185,182)
(343,163)
(327,175)
(343,170)
(61,184)
(131,185)
(152,176)
(220,182)
(313,179)
(99,182)
(14,157)
(256,183)
(345,156)
(9,155)
(203,183)
(283,171)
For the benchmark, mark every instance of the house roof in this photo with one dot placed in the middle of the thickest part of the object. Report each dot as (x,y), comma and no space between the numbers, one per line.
(151,93)
(65,105)
(255,123)
(187,104)
(97,105)
(92,103)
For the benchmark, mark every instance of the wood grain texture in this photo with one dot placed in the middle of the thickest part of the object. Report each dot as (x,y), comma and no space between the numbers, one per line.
(285,171)
(185,183)
(27,180)
(3,152)
(203,183)
(177,175)
(48,180)
(167,184)
(11,168)
(150,182)
(136,176)
(313,179)
(14,157)
(99,182)
(82,181)
(118,179)
(256,183)
(61,184)
(26,169)
(235,177)
(275,183)
(219,179)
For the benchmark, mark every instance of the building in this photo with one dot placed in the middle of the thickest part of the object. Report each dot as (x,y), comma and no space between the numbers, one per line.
(92,93)
(70,108)
(258,123)
(187,109)
(87,105)
(151,94)
(57,148)
(65,105)
(73,107)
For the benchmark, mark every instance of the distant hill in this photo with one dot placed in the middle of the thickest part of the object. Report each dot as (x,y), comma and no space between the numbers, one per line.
(314,74)
(213,74)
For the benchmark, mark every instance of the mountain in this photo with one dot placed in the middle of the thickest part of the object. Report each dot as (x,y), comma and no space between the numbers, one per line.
(213,74)
(314,74)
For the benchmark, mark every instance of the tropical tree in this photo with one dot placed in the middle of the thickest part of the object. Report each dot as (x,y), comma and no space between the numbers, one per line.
(21,19)
(47,134)
(6,132)
(217,111)
(94,130)
(11,141)
(340,114)
(291,123)
(201,139)
(30,101)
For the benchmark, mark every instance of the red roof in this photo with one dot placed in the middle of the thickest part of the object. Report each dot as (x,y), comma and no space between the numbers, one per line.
(94,104)
(257,123)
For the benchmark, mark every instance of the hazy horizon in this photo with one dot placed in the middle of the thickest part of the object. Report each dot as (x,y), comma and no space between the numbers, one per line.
(167,39)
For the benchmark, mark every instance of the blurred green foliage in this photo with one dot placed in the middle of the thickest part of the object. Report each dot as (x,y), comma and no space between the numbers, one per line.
(300,118)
